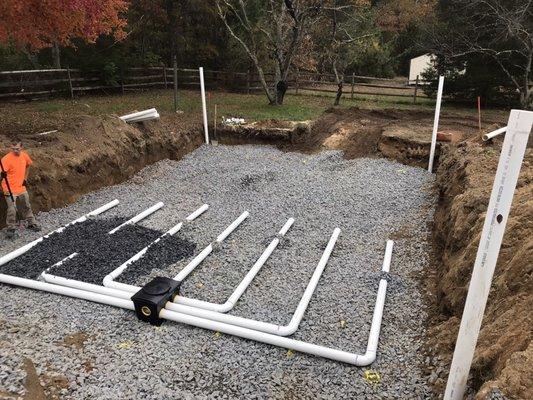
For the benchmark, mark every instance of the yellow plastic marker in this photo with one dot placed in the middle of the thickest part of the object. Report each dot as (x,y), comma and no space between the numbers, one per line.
(372,377)
(128,344)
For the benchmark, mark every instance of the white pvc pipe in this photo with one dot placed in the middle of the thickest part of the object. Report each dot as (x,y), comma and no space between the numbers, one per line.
(59,280)
(303,347)
(338,355)
(109,279)
(495,133)
(204,105)
(191,265)
(64,260)
(436,124)
(205,252)
(241,288)
(280,330)
(138,217)
(138,114)
(231,319)
(146,117)
(21,250)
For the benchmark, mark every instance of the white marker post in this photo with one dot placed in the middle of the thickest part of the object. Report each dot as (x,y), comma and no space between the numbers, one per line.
(204,106)
(512,154)
(435,124)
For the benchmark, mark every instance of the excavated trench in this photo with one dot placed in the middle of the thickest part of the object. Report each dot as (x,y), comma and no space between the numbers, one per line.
(92,153)
(100,152)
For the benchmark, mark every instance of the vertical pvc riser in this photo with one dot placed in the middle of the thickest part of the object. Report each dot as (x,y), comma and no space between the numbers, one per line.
(435,124)
(204,104)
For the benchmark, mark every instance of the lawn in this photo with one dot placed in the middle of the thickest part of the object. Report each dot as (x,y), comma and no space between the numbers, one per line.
(31,117)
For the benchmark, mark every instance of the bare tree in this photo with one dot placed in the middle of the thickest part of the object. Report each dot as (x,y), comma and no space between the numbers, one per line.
(278,25)
(348,28)
(500,30)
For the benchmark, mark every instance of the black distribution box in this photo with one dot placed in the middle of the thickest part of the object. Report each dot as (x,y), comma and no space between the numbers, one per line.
(152,298)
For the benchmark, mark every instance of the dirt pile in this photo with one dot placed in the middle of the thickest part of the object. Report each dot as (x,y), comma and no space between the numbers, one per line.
(403,135)
(504,353)
(88,153)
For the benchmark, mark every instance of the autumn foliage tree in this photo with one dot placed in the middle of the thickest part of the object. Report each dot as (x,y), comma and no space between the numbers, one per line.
(35,24)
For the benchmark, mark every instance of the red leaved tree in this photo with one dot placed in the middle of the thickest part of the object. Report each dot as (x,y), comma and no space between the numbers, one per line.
(36,24)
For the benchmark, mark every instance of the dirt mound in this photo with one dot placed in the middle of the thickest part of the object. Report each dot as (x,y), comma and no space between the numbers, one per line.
(504,351)
(403,135)
(88,153)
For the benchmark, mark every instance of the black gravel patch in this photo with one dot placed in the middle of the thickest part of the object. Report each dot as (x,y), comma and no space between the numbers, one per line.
(98,252)
(164,253)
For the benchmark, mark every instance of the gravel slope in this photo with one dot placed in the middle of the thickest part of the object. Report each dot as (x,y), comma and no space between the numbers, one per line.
(369,199)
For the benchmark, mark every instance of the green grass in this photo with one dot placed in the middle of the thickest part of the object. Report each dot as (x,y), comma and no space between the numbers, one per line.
(250,107)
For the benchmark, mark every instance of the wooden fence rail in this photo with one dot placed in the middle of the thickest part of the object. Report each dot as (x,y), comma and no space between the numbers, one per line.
(74,82)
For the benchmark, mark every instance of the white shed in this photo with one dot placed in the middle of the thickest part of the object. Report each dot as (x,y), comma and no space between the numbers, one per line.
(419,64)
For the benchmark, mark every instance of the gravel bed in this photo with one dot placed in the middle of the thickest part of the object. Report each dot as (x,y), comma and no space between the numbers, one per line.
(370,200)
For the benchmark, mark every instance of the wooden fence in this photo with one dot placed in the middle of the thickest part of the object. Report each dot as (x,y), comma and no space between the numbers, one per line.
(73,82)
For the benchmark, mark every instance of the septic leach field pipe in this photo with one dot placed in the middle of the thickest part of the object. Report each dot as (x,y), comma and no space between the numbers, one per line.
(202,312)
(109,279)
(138,217)
(21,250)
(241,288)
(280,330)
(338,355)
(110,282)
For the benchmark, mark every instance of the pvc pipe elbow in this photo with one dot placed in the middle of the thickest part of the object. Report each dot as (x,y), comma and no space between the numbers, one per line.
(227,306)
(287,330)
(107,280)
(366,359)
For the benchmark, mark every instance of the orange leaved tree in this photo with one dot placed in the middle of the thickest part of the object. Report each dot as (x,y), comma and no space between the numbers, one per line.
(36,24)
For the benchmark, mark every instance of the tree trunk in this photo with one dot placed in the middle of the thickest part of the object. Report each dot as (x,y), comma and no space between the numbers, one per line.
(56,56)
(526,98)
(281,89)
(339,94)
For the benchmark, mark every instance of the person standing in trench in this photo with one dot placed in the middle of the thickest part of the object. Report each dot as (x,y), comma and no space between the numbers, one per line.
(16,167)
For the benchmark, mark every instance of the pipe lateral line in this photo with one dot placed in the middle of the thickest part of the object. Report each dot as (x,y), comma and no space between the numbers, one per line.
(108,279)
(205,252)
(243,285)
(297,345)
(57,264)
(21,250)
(493,134)
(138,217)
(193,306)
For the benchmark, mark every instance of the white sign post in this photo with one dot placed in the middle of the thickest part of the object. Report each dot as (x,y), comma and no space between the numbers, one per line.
(435,124)
(512,154)
(204,105)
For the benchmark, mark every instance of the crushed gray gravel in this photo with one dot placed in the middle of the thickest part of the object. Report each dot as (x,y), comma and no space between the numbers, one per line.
(371,200)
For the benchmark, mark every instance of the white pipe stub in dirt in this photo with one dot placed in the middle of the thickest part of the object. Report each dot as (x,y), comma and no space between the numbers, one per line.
(140,116)
(490,135)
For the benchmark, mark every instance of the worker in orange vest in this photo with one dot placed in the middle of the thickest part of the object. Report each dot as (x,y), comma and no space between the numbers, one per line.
(14,175)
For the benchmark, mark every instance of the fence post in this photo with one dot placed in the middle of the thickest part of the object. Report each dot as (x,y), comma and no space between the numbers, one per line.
(353,86)
(248,82)
(122,80)
(70,84)
(165,76)
(416,90)
(175,67)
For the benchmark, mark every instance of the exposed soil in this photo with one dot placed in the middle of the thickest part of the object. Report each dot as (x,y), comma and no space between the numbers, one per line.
(404,135)
(88,153)
(34,390)
(504,352)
